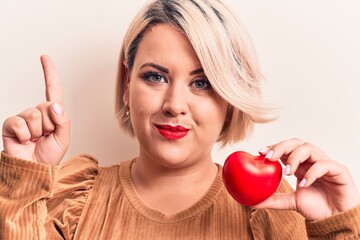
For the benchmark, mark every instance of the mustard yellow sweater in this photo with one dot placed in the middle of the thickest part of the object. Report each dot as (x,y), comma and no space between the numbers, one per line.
(79,200)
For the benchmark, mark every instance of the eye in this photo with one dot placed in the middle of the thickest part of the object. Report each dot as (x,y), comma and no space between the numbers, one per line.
(154,77)
(201,84)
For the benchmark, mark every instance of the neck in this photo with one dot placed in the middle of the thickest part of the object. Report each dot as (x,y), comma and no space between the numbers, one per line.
(172,189)
(149,171)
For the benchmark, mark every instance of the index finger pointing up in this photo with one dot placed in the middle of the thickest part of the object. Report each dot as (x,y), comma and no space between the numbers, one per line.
(53,88)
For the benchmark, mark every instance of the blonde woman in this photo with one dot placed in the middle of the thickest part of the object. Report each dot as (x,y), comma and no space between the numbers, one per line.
(188,78)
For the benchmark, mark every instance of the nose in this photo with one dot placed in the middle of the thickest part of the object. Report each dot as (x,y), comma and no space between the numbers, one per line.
(175,100)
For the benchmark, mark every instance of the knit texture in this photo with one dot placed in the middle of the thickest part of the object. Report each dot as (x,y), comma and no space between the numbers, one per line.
(79,200)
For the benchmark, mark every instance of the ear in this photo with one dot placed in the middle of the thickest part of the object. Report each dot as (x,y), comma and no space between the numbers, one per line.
(126,77)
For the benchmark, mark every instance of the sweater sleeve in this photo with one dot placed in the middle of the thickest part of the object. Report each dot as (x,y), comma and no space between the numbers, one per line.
(24,189)
(345,225)
(73,184)
(38,201)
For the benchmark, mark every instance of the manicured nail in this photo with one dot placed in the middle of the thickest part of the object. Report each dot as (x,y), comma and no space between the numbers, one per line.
(264,150)
(269,154)
(287,169)
(57,109)
(302,183)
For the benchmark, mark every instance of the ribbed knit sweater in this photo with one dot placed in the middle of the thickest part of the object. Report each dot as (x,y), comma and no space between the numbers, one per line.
(79,200)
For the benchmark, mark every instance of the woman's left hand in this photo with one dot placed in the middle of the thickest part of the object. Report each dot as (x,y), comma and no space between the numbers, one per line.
(324,186)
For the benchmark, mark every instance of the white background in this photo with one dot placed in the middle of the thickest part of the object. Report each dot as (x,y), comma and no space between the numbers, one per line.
(309,52)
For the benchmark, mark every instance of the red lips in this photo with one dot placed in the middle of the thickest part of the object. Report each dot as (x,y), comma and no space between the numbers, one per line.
(172,132)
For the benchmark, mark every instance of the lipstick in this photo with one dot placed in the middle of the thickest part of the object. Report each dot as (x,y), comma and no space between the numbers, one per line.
(172,132)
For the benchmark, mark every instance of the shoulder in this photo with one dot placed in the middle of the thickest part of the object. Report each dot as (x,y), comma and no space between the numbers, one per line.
(77,177)
(79,164)
(86,167)
(79,172)
(77,169)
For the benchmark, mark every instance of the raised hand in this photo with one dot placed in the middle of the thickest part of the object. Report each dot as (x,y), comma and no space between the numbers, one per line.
(324,187)
(42,133)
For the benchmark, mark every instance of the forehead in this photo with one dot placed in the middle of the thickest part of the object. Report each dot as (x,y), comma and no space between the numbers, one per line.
(167,34)
(164,43)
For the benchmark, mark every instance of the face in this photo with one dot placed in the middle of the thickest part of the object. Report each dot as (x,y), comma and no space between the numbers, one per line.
(176,115)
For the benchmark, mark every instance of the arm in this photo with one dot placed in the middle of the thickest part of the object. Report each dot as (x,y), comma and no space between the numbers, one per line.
(35,140)
(74,182)
(38,201)
(344,225)
(25,187)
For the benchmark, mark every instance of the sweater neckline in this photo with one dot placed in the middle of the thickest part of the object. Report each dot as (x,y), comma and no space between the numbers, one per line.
(201,205)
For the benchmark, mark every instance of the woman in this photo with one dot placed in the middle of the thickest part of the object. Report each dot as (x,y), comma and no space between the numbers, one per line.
(187,79)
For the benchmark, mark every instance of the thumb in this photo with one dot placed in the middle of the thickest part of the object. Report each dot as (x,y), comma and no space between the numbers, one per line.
(57,109)
(280,201)
(61,122)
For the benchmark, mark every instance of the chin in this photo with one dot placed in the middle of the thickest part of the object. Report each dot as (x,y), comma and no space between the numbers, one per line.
(171,157)
(171,154)
(173,160)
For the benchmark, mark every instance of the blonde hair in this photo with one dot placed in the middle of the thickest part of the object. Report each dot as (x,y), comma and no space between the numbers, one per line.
(225,53)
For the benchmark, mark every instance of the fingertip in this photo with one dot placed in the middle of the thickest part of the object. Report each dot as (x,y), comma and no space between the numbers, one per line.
(287,170)
(269,154)
(302,183)
(45,134)
(25,142)
(57,109)
(43,57)
(263,151)
(34,139)
(46,61)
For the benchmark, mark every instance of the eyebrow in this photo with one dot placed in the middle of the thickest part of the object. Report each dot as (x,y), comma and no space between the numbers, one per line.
(197,71)
(165,70)
(158,67)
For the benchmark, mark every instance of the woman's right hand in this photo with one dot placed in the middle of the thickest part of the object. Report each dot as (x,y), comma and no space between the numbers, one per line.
(42,133)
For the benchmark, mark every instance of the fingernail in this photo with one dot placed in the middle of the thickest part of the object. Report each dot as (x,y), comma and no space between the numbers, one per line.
(57,109)
(46,134)
(264,150)
(302,183)
(287,169)
(269,154)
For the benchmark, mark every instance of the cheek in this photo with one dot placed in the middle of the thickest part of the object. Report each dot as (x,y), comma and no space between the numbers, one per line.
(137,94)
(211,115)
(137,100)
(143,102)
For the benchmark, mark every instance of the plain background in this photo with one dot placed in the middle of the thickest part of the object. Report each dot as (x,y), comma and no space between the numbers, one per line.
(309,52)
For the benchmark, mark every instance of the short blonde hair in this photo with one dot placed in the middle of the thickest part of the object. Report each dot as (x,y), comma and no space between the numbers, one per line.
(225,53)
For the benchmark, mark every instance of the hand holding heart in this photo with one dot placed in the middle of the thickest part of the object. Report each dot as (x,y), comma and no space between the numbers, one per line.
(42,133)
(324,187)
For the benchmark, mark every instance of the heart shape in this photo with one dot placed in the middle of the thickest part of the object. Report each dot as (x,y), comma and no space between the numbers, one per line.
(251,179)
